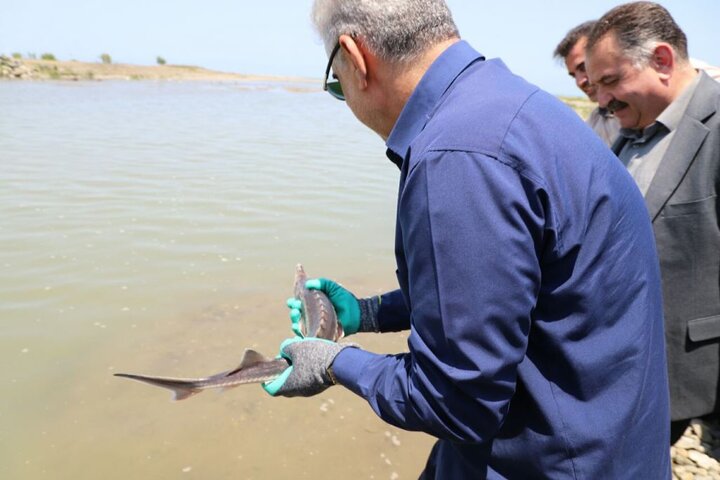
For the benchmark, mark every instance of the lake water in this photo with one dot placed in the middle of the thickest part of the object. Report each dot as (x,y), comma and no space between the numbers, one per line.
(154,228)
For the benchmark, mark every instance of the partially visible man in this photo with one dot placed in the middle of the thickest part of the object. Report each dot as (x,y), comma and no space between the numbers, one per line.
(525,262)
(637,57)
(711,70)
(572,51)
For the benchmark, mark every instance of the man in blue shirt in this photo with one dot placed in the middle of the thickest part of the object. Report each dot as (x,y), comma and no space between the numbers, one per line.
(525,259)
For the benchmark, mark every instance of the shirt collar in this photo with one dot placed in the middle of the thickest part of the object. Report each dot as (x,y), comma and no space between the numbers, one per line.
(419,107)
(669,118)
(637,137)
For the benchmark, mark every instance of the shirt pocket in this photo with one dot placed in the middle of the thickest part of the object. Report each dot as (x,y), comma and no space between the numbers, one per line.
(689,208)
(702,329)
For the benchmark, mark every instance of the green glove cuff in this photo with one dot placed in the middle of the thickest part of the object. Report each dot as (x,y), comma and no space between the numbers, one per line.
(369,308)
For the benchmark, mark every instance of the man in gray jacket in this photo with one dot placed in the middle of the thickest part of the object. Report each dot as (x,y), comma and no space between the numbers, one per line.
(670,141)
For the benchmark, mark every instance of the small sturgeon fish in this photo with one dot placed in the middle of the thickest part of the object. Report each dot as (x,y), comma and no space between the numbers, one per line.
(254,368)
(318,320)
(318,315)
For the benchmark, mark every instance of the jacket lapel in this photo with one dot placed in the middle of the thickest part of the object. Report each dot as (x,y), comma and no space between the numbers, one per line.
(684,146)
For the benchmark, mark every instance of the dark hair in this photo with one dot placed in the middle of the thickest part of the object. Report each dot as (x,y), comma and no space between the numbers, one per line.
(572,37)
(637,27)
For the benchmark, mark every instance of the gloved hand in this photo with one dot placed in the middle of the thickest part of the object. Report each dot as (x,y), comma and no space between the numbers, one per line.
(307,375)
(354,315)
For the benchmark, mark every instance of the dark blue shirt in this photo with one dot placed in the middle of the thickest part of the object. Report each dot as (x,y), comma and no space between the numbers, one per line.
(529,281)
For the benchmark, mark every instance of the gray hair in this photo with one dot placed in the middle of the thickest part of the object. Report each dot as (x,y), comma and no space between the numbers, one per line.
(394,30)
(638,28)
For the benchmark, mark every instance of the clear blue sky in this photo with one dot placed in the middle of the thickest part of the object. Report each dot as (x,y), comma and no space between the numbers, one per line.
(275,36)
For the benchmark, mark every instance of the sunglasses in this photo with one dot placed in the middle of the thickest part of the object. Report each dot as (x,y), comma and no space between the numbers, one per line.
(333,87)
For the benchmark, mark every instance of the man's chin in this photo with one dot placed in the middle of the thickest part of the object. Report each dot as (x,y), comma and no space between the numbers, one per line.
(625,120)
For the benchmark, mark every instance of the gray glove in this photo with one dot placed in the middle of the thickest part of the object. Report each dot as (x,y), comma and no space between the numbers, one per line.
(308,373)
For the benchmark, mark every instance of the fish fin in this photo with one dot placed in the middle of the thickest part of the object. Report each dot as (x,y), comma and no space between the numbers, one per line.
(180,391)
(250,358)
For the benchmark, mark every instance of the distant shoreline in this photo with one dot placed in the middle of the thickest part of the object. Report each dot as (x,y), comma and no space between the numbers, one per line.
(32,69)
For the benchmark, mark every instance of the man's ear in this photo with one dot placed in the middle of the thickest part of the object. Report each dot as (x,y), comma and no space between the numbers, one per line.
(356,56)
(663,60)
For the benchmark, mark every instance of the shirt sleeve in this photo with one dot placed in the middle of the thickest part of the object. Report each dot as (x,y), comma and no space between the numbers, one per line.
(472,229)
(393,314)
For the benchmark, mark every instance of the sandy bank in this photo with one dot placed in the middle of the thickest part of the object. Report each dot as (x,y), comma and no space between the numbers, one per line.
(27,69)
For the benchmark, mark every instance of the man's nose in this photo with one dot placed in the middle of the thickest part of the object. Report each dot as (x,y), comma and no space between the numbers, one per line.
(581,80)
(603,97)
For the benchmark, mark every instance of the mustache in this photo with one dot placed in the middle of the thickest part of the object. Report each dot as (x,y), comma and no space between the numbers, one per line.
(616,105)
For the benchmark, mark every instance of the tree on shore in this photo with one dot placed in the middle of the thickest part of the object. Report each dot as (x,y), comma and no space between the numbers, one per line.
(106,58)
(161,61)
(48,56)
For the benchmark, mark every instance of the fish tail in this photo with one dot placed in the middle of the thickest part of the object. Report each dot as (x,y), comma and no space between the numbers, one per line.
(181,389)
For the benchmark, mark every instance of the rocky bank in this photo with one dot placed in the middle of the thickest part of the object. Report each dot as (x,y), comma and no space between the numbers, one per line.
(695,454)
(11,68)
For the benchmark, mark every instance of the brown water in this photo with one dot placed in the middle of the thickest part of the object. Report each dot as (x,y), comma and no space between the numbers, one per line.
(154,228)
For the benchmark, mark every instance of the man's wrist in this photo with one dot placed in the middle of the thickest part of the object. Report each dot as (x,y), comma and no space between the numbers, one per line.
(369,308)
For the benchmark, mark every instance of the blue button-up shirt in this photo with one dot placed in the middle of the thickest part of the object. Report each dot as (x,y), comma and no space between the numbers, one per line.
(529,281)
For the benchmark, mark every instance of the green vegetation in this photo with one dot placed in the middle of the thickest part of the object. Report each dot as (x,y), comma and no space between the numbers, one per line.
(51,71)
(161,61)
(48,56)
(581,105)
(106,58)
(17,56)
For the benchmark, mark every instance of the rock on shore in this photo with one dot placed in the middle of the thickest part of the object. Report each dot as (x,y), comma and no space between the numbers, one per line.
(695,454)
(11,68)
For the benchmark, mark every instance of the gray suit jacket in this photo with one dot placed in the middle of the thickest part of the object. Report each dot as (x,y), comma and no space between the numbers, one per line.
(683,205)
